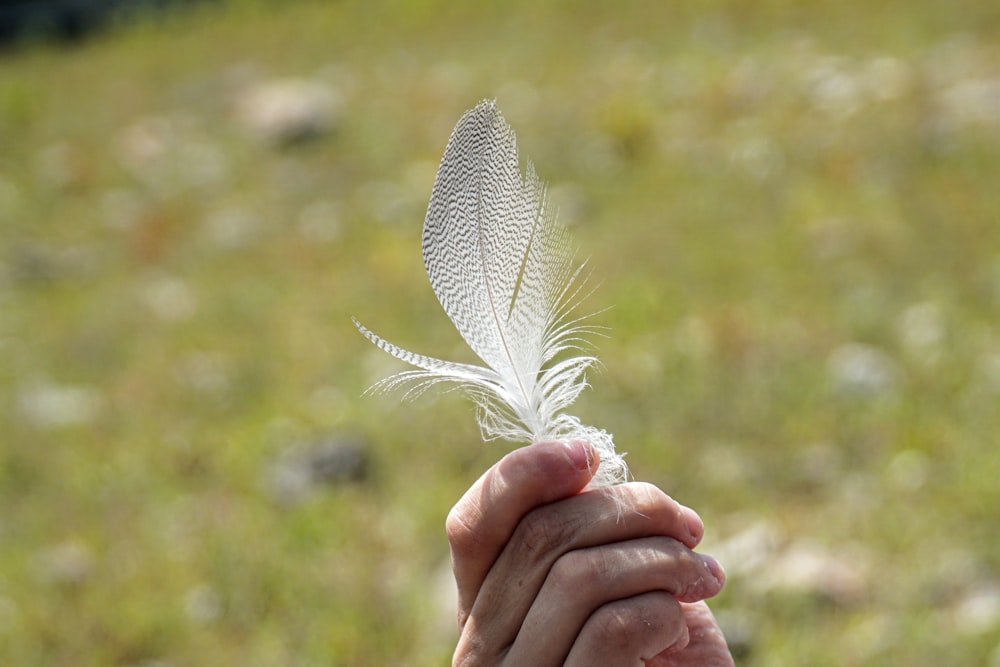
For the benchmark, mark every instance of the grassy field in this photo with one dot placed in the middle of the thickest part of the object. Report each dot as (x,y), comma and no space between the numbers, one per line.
(793,211)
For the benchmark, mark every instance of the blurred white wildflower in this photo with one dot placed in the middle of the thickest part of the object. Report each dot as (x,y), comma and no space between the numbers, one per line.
(167,297)
(749,81)
(758,156)
(69,562)
(951,59)
(977,612)
(170,153)
(862,369)
(145,141)
(748,548)
(201,163)
(834,89)
(439,631)
(989,369)
(49,405)
(887,78)
(204,372)
(202,604)
(973,101)
(921,329)
(230,226)
(909,470)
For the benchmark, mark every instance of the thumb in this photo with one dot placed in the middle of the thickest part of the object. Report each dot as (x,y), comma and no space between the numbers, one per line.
(482,522)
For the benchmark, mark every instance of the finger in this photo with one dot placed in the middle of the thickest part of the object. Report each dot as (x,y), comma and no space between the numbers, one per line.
(623,632)
(482,522)
(706,646)
(603,516)
(584,580)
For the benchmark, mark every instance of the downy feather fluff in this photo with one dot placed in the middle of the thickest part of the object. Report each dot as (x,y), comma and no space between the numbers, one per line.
(502,267)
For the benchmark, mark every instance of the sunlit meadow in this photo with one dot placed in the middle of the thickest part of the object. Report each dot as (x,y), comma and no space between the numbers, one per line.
(792,212)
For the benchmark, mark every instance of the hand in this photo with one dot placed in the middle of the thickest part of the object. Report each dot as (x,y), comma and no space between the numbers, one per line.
(550,574)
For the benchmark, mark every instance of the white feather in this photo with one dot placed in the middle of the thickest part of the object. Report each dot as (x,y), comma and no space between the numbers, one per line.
(502,267)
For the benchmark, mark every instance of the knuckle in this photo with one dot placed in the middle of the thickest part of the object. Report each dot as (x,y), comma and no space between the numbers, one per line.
(471,652)
(626,623)
(650,502)
(615,622)
(543,531)
(573,570)
(460,528)
(617,625)
(648,498)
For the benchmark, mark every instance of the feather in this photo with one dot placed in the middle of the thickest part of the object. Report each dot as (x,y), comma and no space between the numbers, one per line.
(502,267)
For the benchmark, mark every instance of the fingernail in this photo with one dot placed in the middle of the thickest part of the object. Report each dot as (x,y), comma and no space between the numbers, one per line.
(694,524)
(580,454)
(715,569)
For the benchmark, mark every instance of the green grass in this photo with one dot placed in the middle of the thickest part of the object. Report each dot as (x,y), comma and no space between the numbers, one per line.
(758,185)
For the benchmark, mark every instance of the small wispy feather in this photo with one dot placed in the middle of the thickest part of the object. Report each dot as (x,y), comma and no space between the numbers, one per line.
(502,267)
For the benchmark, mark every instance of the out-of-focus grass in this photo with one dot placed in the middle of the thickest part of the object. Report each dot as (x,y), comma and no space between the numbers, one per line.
(793,209)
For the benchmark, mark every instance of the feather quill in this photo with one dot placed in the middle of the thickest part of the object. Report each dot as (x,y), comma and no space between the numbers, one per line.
(502,267)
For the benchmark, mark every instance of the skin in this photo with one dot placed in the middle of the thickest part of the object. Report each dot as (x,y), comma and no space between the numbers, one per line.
(552,573)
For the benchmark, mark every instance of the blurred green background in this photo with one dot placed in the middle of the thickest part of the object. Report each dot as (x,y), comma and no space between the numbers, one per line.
(793,212)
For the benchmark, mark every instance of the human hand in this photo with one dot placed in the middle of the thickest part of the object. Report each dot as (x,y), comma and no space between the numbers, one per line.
(550,574)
